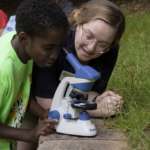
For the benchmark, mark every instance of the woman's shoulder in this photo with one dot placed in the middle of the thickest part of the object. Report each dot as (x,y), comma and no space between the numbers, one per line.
(112,53)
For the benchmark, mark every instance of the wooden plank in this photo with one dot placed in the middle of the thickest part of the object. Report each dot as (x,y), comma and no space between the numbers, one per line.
(83,145)
(106,139)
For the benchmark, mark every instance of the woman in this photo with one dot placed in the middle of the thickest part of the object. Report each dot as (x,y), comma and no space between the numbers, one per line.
(97,27)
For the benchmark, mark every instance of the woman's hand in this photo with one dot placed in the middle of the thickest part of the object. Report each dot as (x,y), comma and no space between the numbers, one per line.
(109,103)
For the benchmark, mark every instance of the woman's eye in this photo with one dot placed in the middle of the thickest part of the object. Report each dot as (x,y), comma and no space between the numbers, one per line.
(89,36)
(103,45)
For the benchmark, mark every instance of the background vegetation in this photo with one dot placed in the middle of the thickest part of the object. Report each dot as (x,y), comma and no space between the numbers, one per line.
(131,78)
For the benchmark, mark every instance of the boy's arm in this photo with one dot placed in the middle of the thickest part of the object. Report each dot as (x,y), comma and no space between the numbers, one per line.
(16,134)
(28,135)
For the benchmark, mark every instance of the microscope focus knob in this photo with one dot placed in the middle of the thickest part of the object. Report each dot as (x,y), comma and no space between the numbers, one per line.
(84,116)
(54,114)
(67,116)
(84,105)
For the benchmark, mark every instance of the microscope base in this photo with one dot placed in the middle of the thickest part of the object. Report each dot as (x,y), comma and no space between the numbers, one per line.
(76,127)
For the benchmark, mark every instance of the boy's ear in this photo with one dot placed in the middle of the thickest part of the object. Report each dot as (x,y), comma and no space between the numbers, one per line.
(23,38)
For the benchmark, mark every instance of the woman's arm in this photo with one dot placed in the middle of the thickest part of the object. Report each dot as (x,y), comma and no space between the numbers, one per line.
(37,110)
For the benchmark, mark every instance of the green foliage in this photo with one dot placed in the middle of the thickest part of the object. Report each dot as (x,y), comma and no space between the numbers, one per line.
(131,78)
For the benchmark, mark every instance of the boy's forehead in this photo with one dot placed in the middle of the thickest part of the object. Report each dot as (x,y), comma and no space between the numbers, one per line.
(52,37)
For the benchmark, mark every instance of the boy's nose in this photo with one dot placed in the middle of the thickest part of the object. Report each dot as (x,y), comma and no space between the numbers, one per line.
(52,58)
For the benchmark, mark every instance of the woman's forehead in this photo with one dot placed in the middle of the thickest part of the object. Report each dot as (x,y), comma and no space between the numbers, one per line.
(100,29)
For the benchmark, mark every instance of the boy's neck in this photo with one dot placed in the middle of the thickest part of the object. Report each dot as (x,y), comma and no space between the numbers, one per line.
(20,51)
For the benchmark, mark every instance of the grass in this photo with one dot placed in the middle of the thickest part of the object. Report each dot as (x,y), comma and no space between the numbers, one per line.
(131,78)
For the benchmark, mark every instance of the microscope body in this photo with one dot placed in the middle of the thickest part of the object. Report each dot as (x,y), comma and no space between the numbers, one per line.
(70,101)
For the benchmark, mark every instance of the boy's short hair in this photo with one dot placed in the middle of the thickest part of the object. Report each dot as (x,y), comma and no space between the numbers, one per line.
(35,17)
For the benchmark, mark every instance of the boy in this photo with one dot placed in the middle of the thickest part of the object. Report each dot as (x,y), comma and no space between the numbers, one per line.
(41,27)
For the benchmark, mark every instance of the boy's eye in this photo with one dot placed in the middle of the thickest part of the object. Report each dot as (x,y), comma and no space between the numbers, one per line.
(48,49)
(51,48)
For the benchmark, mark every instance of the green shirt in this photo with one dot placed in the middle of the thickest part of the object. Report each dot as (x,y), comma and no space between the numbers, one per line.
(15,81)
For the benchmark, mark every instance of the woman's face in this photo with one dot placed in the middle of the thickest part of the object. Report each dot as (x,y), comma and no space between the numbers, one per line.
(93,39)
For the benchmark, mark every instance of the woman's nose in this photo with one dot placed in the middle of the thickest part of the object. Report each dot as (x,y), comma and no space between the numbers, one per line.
(91,46)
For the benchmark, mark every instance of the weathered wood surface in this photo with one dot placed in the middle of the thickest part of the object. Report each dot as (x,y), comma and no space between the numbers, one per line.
(106,139)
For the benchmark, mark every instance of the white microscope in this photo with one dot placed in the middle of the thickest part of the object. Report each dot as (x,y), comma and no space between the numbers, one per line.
(70,102)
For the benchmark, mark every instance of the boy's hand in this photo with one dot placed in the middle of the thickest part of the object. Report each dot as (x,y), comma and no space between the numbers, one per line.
(44,114)
(44,128)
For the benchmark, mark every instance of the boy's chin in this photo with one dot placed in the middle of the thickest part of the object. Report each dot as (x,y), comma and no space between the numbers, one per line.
(44,65)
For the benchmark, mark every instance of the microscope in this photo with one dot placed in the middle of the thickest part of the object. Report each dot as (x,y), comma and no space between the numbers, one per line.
(70,102)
